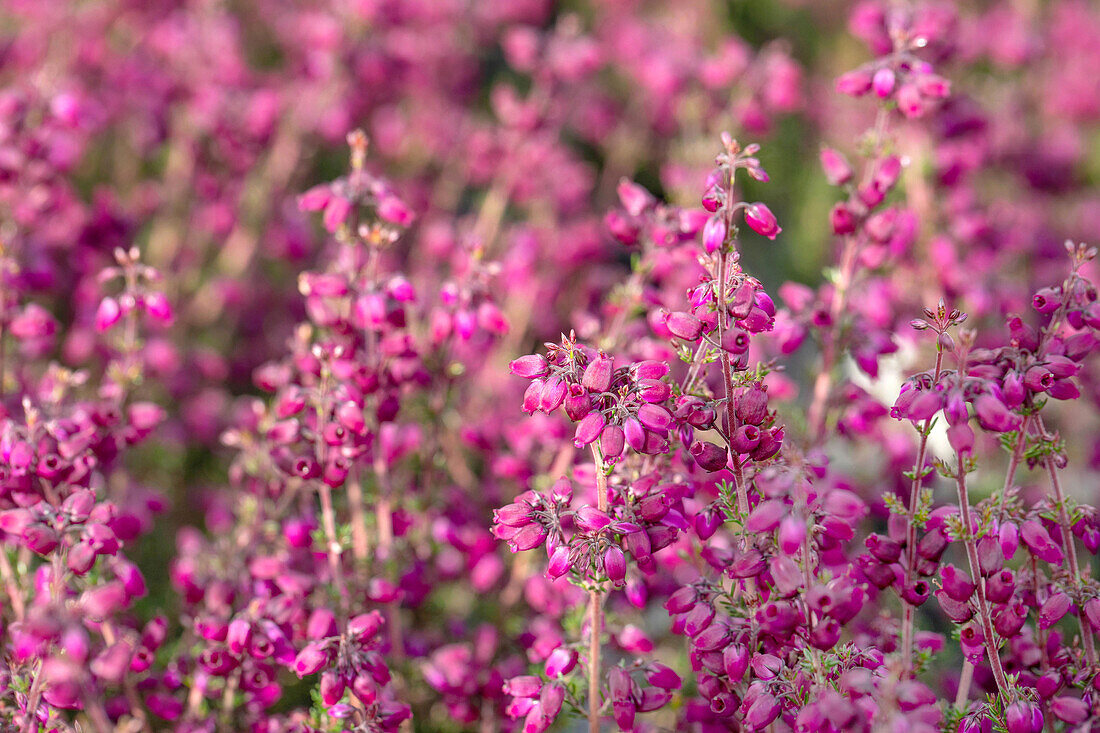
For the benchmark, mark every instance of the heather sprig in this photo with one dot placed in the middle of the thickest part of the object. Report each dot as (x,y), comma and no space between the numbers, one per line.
(549,405)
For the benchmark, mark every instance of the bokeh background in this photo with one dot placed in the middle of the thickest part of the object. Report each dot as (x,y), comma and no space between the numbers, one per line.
(189,129)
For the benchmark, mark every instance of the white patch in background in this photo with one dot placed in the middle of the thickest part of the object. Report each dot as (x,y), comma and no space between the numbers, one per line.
(893,370)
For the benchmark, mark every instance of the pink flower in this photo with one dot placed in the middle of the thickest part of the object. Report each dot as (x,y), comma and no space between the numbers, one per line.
(762,221)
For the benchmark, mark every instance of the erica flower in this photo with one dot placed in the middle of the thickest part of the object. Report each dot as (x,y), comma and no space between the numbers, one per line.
(762,220)
(714,233)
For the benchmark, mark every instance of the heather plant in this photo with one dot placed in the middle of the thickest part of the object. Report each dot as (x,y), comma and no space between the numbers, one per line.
(536,401)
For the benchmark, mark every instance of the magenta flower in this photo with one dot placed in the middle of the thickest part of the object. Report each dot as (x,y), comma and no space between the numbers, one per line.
(714,233)
(762,221)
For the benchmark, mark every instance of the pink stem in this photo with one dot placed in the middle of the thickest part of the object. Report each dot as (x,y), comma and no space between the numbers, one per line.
(975,572)
(911,531)
(727,381)
(595,611)
(1071,551)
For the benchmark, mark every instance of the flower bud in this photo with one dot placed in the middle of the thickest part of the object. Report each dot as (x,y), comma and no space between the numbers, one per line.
(957,583)
(1021,717)
(714,233)
(321,624)
(336,212)
(1048,683)
(651,369)
(954,408)
(365,626)
(959,613)
(635,434)
(597,375)
(614,563)
(551,699)
(766,516)
(933,86)
(684,325)
(744,298)
(663,677)
(961,438)
(40,538)
(748,564)
(78,504)
(1013,390)
(633,197)
(883,82)
(158,307)
(916,593)
(709,456)
(591,519)
(887,172)
(708,521)
(1053,609)
(990,557)
(612,441)
(1038,540)
(1010,619)
(394,210)
(1038,379)
(332,688)
(752,406)
(883,548)
(762,221)
(826,634)
(1069,709)
(932,546)
(1047,300)
(1000,587)
(559,562)
(62,678)
(879,574)
(766,666)
(588,429)
(74,642)
(735,341)
(528,538)
(653,391)
(239,636)
(655,417)
(994,416)
(854,83)
(107,314)
(81,558)
(553,394)
(111,664)
(735,660)
(836,167)
(530,366)
(912,695)
(335,472)
(620,687)
(523,686)
(653,508)
(561,661)
(746,439)
(910,101)
(164,706)
(761,711)
(842,220)
(792,532)
(1092,612)
(1009,537)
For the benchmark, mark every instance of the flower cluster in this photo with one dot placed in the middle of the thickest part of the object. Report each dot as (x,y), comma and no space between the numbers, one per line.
(69,515)
(536,399)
